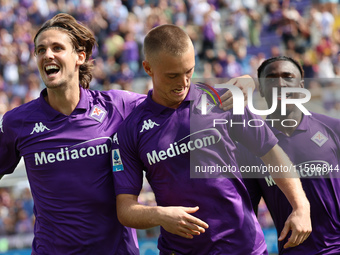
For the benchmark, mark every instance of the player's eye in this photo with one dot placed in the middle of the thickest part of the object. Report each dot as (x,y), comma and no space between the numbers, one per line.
(271,80)
(40,51)
(57,48)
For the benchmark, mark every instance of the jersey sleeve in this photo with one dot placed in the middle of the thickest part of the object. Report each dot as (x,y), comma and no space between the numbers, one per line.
(131,101)
(9,155)
(128,176)
(246,160)
(251,131)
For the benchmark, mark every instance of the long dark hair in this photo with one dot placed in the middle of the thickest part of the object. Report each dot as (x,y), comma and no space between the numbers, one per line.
(82,39)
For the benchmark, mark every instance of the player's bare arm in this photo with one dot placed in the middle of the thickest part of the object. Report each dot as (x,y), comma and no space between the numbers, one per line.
(299,221)
(174,219)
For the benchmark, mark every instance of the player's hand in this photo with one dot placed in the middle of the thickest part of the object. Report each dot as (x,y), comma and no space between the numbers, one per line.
(177,220)
(300,225)
(244,83)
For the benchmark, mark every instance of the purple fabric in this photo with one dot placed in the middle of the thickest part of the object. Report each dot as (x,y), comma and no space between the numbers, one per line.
(306,149)
(68,166)
(169,144)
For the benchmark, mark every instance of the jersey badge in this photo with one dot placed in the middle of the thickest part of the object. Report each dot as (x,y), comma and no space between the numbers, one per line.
(39,128)
(98,113)
(117,164)
(319,138)
(210,106)
(148,125)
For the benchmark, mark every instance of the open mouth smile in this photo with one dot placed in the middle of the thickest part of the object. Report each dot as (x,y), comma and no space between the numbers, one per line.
(51,69)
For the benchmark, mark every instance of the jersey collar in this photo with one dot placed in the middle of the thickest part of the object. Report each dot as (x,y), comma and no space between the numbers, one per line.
(303,126)
(158,108)
(51,113)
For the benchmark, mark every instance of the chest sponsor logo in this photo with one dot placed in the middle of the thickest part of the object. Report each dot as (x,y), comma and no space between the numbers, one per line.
(319,138)
(117,164)
(98,113)
(313,168)
(148,125)
(307,169)
(75,152)
(1,125)
(182,147)
(39,128)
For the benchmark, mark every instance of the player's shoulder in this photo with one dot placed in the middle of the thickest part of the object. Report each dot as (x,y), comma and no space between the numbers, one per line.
(330,122)
(13,120)
(115,95)
(23,111)
(141,112)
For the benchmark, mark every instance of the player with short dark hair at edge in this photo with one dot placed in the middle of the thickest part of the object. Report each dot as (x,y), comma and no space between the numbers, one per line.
(312,142)
(199,212)
(65,138)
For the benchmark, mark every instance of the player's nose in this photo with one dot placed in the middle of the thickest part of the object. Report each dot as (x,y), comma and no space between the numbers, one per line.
(48,54)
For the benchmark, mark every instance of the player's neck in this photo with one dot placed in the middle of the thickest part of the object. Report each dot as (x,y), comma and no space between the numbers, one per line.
(287,124)
(63,101)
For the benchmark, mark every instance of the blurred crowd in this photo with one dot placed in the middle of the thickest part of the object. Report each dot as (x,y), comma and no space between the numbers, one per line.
(231,38)
(16,211)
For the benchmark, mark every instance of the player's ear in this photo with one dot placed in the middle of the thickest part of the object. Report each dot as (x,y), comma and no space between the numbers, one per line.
(147,68)
(302,84)
(81,58)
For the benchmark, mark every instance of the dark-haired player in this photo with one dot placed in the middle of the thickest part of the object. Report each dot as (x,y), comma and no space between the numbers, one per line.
(313,145)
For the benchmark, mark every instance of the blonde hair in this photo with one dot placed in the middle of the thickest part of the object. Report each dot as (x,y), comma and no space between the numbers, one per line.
(167,38)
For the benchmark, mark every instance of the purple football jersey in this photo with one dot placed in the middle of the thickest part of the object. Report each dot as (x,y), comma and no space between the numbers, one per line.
(314,148)
(67,161)
(190,162)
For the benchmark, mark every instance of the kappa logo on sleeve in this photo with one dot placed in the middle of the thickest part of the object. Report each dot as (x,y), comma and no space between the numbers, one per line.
(98,113)
(117,164)
(319,138)
(1,125)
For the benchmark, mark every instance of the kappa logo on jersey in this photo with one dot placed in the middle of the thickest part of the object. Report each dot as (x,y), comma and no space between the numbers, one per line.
(39,128)
(1,125)
(98,113)
(319,138)
(148,125)
(115,139)
(117,164)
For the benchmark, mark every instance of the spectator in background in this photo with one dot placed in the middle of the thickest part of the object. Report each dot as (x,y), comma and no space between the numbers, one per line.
(130,53)
(233,68)
(24,223)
